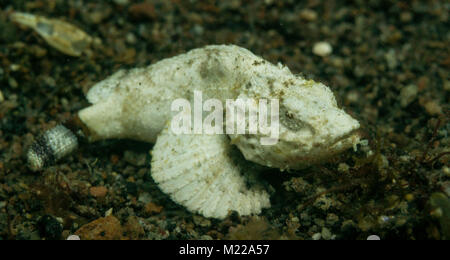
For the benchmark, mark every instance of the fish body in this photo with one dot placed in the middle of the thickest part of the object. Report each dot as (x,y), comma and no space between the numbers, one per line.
(209,173)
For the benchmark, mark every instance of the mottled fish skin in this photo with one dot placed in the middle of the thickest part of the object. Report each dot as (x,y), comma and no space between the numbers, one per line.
(136,104)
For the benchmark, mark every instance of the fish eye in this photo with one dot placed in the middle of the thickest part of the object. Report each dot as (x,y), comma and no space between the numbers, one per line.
(292,122)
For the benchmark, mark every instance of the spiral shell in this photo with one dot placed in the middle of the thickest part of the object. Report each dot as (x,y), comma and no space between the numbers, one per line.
(53,145)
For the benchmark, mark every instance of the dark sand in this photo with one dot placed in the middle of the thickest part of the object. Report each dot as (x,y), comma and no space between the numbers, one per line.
(389,68)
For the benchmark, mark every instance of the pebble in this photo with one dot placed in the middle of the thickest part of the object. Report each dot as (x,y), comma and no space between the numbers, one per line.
(433,108)
(151,208)
(198,30)
(308,15)
(73,237)
(14,67)
(142,11)
(134,158)
(107,228)
(122,2)
(109,212)
(408,94)
(391,59)
(409,197)
(12,82)
(201,221)
(343,168)
(353,97)
(383,162)
(131,38)
(317,236)
(447,85)
(133,228)
(2,98)
(446,188)
(326,234)
(98,192)
(322,49)
(406,17)
(332,219)
(446,170)
(145,197)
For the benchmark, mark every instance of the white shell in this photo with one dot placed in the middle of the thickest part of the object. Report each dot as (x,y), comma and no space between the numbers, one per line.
(61,35)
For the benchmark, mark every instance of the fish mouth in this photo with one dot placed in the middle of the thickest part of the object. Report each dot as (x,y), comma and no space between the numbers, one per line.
(345,141)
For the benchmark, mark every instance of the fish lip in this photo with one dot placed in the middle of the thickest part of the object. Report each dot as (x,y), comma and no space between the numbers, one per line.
(353,133)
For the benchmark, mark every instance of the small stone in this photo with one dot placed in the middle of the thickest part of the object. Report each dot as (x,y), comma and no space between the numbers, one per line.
(109,212)
(73,237)
(206,237)
(326,233)
(107,228)
(38,51)
(2,98)
(373,237)
(122,2)
(446,170)
(322,49)
(447,85)
(383,162)
(133,229)
(98,192)
(332,219)
(130,38)
(343,168)
(151,208)
(433,108)
(134,158)
(14,67)
(408,94)
(445,187)
(308,15)
(145,197)
(406,17)
(13,82)
(198,29)
(317,236)
(142,11)
(353,97)
(201,221)
(391,59)
(409,197)
(97,17)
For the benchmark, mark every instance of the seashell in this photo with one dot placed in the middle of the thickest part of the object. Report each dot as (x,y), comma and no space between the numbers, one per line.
(199,171)
(53,145)
(61,35)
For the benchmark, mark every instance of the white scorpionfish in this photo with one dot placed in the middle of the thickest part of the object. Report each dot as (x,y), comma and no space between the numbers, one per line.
(205,172)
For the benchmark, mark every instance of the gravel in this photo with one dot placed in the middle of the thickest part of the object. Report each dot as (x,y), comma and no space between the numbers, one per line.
(388,66)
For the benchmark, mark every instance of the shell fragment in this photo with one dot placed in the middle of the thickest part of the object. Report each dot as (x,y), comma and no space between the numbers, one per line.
(61,35)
